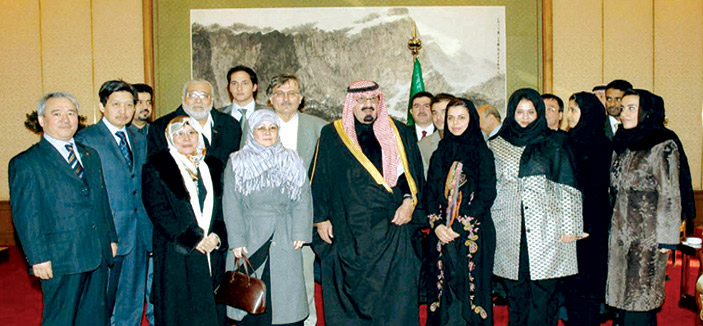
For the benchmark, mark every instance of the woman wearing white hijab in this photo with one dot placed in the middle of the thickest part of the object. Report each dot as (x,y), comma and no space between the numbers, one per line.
(268,214)
(183,194)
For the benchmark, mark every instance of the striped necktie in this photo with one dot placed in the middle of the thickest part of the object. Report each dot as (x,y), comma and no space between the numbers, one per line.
(124,148)
(74,163)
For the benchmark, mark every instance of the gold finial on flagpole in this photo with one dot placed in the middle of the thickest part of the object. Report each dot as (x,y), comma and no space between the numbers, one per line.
(414,44)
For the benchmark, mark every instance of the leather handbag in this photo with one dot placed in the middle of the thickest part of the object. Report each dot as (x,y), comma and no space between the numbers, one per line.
(242,291)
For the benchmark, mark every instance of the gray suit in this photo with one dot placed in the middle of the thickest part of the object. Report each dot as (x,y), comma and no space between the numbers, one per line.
(243,122)
(124,189)
(309,127)
(427,146)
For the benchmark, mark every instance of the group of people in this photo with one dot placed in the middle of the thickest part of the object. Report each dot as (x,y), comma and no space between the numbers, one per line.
(158,211)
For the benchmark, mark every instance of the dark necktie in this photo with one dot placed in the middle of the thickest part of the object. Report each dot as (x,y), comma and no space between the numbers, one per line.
(124,148)
(424,133)
(201,191)
(74,163)
(243,119)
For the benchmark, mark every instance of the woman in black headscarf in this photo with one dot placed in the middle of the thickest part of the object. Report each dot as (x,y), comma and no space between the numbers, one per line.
(592,154)
(644,181)
(459,194)
(537,212)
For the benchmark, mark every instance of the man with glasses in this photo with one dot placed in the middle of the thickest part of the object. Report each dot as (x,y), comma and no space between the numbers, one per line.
(221,132)
(299,132)
(554,110)
(366,178)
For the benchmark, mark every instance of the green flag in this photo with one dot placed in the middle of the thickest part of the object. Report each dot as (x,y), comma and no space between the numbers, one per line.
(416,86)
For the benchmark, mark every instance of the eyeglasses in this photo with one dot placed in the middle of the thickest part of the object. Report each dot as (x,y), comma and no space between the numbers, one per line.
(193,95)
(184,134)
(281,94)
(363,99)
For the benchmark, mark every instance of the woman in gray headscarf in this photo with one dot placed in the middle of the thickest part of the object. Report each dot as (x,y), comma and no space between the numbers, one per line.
(268,214)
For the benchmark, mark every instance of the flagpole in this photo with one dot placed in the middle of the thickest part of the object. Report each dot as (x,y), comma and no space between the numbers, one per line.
(414,44)
(416,82)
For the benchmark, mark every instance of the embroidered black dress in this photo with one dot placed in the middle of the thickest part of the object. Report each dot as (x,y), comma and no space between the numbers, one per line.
(459,290)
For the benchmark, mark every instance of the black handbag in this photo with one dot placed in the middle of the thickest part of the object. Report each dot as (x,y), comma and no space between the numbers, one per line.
(242,291)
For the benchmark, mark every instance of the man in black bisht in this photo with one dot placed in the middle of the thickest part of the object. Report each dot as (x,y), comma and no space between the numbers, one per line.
(366,178)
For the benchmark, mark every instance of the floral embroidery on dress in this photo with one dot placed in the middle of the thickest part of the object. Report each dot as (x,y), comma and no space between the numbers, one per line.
(471,226)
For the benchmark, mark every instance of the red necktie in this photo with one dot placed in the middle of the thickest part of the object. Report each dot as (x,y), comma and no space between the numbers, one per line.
(424,133)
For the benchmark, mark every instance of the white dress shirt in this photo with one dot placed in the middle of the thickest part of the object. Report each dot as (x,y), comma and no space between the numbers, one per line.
(206,130)
(249,109)
(114,130)
(418,131)
(614,123)
(289,133)
(60,146)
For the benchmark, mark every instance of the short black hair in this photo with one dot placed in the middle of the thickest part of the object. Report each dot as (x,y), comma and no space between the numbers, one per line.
(547,96)
(619,84)
(441,97)
(249,71)
(114,86)
(421,94)
(144,88)
(596,88)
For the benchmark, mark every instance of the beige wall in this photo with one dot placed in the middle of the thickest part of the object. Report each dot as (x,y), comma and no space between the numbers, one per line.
(62,45)
(654,44)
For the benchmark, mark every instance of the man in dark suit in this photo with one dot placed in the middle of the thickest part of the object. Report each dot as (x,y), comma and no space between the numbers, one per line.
(613,105)
(122,152)
(299,132)
(222,133)
(62,216)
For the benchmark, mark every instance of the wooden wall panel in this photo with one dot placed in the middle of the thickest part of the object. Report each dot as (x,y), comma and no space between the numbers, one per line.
(21,82)
(67,59)
(578,46)
(628,41)
(678,71)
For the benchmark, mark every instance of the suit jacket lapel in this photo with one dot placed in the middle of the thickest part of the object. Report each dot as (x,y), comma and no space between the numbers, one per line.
(136,154)
(108,138)
(55,158)
(303,135)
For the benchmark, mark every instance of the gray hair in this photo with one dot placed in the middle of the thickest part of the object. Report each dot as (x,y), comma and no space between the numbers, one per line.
(41,105)
(279,80)
(490,110)
(198,81)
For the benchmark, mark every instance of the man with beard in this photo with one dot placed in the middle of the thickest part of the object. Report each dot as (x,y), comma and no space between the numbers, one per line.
(366,178)
(221,132)
(422,115)
(613,105)
(142,115)
(299,132)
